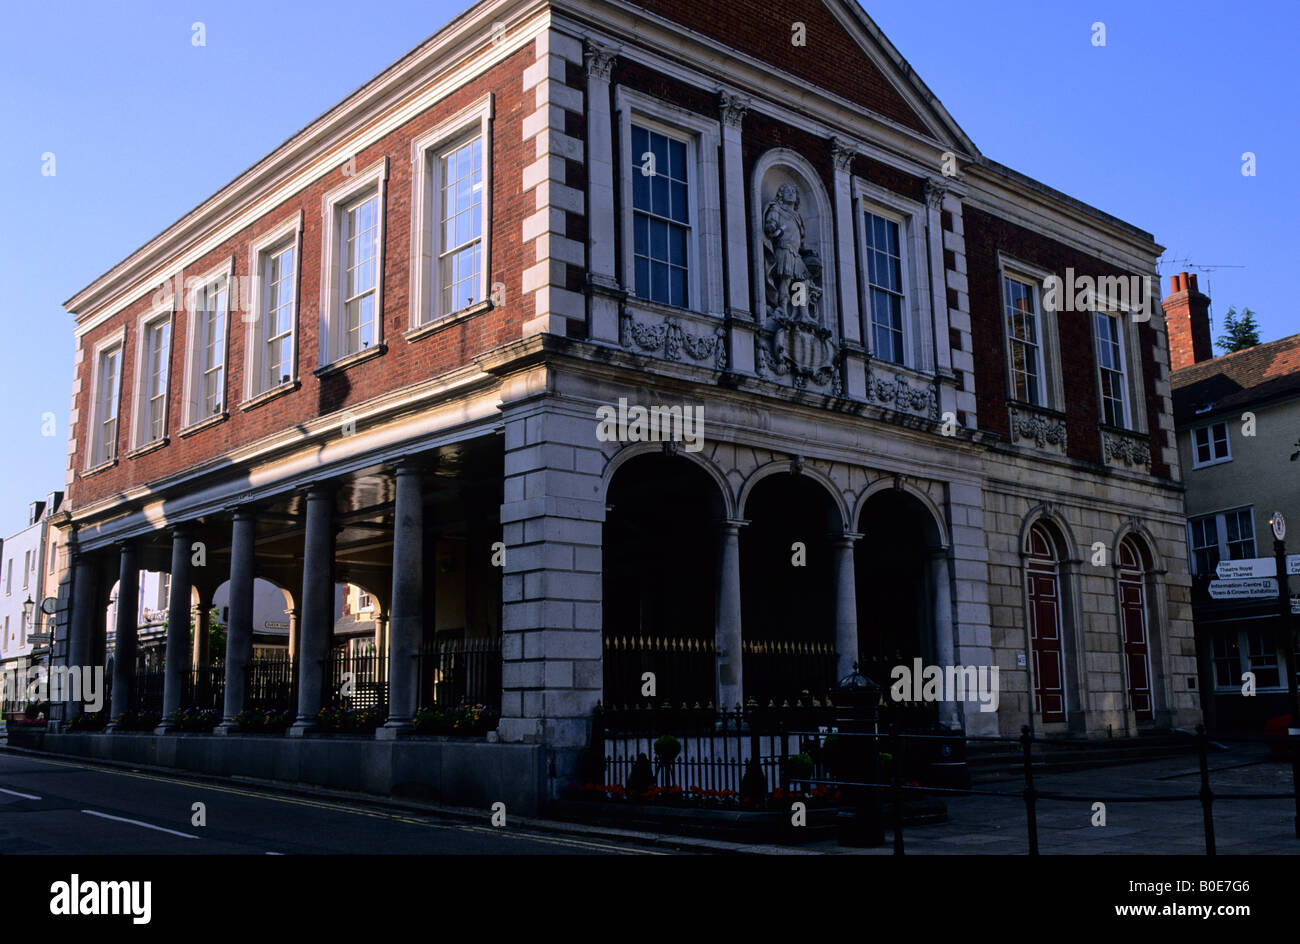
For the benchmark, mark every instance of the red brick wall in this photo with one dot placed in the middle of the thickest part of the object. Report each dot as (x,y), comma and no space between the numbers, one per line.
(403,364)
(986,236)
(831,59)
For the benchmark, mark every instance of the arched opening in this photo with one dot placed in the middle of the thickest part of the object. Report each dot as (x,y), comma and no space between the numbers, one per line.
(897,584)
(1135,634)
(660,582)
(788,590)
(1046,622)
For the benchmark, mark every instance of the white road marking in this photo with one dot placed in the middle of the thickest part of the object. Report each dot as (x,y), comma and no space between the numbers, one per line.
(25,796)
(136,822)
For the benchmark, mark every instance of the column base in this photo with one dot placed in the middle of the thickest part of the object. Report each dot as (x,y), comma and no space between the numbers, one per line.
(392,730)
(300,728)
(164,728)
(226,728)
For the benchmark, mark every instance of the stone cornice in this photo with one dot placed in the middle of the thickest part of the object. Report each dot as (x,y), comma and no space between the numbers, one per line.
(454,55)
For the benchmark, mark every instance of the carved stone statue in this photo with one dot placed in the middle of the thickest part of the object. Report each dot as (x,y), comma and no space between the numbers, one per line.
(792,341)
(793,272)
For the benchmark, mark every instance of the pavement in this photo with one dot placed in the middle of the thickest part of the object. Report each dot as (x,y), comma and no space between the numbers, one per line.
(65,805)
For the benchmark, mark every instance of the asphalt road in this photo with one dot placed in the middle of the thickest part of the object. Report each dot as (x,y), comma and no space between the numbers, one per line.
(66,807)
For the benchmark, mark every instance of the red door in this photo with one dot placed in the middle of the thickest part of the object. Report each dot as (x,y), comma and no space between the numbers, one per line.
(1133,624)
(1045,628)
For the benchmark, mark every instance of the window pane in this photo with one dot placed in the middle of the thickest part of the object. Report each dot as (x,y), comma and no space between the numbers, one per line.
(661,214)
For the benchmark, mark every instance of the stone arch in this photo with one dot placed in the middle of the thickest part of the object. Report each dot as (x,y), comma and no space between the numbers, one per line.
(666,515)
(1133,528)
(633,450)
(904,485)
(1067,547)
(786,466)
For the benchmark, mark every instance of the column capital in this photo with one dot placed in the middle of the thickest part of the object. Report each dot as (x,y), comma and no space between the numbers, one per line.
(935,190)
(406,466)
(732,524)
(598,60)
(845,537)
(732,108)
(181,530)
(842,153)
(320,490)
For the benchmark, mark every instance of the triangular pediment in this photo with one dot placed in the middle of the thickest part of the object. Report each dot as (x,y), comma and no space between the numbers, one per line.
(842,51)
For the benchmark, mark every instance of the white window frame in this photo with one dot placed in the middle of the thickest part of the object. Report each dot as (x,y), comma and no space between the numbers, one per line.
(1243,631)
(287,234)
(703,139)
(1208,429)
(1051,384)
(93,441)
(140,413)
(192,415)
(1128,317)
(918,331)
(333,205)
(427,151)
(1126,393)
(1221,534)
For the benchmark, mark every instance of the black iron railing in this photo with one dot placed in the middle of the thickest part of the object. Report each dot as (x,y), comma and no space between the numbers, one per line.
(461,671)
(682,669)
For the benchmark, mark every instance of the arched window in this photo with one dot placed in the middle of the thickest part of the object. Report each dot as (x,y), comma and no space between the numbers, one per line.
(1133,627)
(1042,579)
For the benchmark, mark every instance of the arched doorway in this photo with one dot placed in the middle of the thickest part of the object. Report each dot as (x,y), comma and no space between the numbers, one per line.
(900,566)
(660,582)
(788,589)
(1046,623)
(1135,629)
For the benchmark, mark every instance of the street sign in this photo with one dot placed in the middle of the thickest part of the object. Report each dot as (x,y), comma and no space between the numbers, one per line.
(1259,588)
(1293,564)
(38,638)
(1250,567)
(1295,605)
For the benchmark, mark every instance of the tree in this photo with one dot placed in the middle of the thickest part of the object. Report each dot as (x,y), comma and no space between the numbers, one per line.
(1239,331)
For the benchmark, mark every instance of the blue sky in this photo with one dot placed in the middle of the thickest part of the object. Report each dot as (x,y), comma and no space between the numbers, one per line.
(143,126)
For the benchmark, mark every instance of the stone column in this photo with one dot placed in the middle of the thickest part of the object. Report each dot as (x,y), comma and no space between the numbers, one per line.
(295,638)
(202,647)
(846,255)
(846,604)
(727,630)
(239,623)
(81,625)
(406,609)
(317,607)
(944,643)
(602,274)
(178,625)
(740,310)
(124,646)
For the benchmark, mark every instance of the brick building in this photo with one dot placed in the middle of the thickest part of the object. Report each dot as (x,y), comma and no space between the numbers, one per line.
(388,354)
(1237,419)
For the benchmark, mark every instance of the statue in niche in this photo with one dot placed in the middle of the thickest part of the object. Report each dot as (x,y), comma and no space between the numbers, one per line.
(793,271)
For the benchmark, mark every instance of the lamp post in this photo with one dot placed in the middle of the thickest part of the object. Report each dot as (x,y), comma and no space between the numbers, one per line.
(1287,634)
(29,616)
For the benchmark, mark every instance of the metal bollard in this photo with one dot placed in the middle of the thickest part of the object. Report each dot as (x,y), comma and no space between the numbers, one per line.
(1031,815)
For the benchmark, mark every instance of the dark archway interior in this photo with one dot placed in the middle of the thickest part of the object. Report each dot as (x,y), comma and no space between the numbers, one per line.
(788,607)
(895,609)
(660,581)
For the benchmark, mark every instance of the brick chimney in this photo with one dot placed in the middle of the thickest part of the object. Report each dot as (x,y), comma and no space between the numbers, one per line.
(1187,320)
